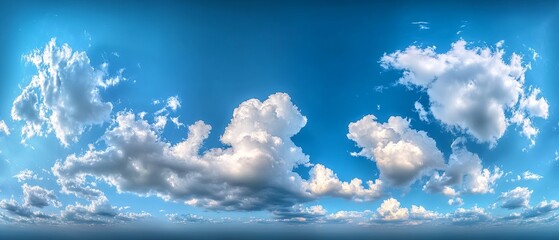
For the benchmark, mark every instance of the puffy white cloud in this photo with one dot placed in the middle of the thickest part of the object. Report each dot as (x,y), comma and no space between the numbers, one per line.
(456,201)
(323,181)
(516,198)
(390,210)
(4,128)
(39,197)
(254,173)
(527,175)
(420,213)
(464,171)
(470,216)
(471,89)
(172,104)
(64,94)
(402,155)
(25,175)
(23,213)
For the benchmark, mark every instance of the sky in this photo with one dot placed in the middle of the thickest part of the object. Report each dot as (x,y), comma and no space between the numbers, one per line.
(297,113)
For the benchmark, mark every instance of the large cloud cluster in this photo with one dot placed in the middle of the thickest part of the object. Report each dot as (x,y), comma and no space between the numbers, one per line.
(255,172)
(472,89)
(64,94)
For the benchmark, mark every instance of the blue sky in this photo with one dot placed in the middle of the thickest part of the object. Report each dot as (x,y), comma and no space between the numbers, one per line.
(320,68)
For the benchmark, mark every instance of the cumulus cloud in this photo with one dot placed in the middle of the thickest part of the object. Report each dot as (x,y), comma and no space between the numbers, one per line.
(543,208)
(255,172)
(472,216)
(323,181)
(187,218)
(390,210)
(23,214)
(348,216)
(420,213)
(300,214)
(39,197)
(456,201)
(98,211)
(464,172)
(63,97)
(402,155)
(516,198)
(4,128)
(472,89)
(25,175)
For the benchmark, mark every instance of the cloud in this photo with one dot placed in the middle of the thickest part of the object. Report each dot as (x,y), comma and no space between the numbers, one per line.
(456,201)
(4,128)
(527,175)
(423,115)
(390,211)
(420,213)
(323,181)
(254,173)
(464,172)
(348,216)
(300,214)
(98,211)
(516,198)
(25,175)
(402,155)
(172,104)
(39,197)
(422,25)
(187,218)
(472,89)
(543,208)
(64,94)
(472,216)
(23,214)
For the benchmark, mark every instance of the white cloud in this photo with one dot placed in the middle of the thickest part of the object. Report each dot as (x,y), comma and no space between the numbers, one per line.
(4,128)
(25,175)
(390,210)
(471,89)
(300,214)
(323,181)
(456,201)
(543,208)
(402,155)
(516,198)
(464,171)
(422,25)
(420,213)
(98,211)
(531,176)
(423,115)
(64,94)
(37,196)
(348,216)
(254,173)
(172,104)
(472,216)
(187,218)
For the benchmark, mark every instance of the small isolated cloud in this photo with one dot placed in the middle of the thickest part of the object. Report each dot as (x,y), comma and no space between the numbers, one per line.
(456,201)
(4,128)
(390,211)
(402,155)
(423,115)
(172,104)
(516,198)
(64,96)
(25,175)
(472,89)
(464,172)
(421,25)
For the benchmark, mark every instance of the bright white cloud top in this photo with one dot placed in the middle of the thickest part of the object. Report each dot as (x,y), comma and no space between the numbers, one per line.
(472,89)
